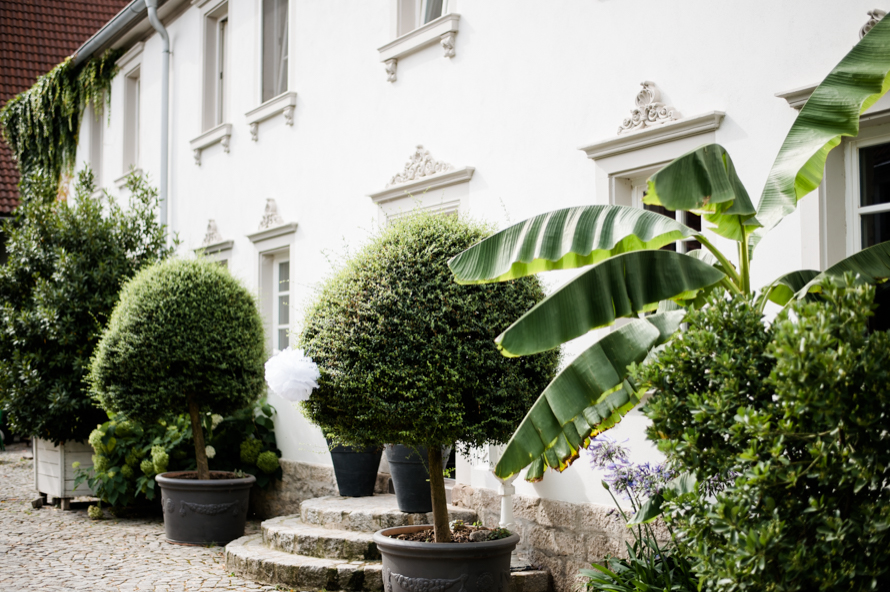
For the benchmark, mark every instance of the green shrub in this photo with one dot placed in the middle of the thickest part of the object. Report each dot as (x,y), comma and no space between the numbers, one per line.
(185,336)
(129,454)
(66,264)
(406,355)
(804,503)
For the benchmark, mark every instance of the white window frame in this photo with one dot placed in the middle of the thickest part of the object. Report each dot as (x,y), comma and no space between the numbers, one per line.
(216,62)
(132,119)
(409,34)
(97,136)
(410,14)
(852,197)
(271,244)
(287,69)
(277,294)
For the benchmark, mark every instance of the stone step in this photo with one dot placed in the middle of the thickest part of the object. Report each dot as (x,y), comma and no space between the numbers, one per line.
(289,534)
(368,514)
(250,559)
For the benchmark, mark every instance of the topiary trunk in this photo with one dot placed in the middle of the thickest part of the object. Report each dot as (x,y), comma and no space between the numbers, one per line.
(441,530)
(200,450)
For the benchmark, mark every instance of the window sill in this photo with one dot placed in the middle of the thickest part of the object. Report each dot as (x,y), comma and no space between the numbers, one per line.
(225,245)
(283,103)
(220,134)
(423,185)
(269,233)
(121,181)
(676,130)
(441,30)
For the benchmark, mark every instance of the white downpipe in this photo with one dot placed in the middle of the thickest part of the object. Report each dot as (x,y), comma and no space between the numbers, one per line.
(152,6)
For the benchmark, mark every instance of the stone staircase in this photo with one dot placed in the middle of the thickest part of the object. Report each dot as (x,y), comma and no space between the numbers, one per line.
(329,546)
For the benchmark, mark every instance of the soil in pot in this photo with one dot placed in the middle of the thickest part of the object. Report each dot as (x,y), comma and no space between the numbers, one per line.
(410,477)
(356,469)
(471,567)
(201,512)
(460,533)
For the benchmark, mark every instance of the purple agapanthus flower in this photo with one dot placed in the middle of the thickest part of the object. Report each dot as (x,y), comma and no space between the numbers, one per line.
(624,477)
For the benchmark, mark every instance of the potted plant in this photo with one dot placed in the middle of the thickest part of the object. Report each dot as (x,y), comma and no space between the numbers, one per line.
(186,336)
(407,356)
(57,291)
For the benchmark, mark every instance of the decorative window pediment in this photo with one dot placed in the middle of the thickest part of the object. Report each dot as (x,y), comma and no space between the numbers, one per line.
(272,225)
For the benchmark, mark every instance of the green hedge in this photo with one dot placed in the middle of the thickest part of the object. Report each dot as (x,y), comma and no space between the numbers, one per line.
(406,355)
(67,261)
(181,328)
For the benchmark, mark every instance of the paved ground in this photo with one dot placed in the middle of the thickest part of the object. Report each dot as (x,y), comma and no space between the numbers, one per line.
(51,550)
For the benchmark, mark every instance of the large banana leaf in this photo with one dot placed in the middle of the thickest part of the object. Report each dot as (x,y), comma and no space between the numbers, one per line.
(565,239)
(619,287)
(872,265)
(704,181)
(833,111)
(783,289)
(585,396)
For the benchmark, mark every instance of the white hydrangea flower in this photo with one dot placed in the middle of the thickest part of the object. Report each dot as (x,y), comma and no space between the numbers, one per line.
(291,375)
(210,451)
(216,419)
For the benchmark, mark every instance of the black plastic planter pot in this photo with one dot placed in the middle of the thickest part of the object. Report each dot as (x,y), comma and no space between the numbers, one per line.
(200,512)
(410,477)
(410,566)
(356,469)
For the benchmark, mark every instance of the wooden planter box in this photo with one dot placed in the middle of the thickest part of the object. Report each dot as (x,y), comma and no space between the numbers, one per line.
(53,474)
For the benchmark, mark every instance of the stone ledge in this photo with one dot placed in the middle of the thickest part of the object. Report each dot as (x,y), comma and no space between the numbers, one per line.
(368,514)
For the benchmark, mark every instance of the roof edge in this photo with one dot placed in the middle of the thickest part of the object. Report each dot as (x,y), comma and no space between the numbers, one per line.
(122,22)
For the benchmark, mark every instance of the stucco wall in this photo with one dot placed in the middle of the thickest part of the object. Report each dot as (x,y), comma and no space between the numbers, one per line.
(531,82)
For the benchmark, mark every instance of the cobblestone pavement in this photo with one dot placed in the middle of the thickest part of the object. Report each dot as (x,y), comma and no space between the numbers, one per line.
(51,550)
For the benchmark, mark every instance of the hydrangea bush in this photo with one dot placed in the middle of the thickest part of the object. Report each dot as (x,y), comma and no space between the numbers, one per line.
(128,454)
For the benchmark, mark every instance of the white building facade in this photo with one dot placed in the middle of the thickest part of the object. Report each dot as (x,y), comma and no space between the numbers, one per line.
(296,126)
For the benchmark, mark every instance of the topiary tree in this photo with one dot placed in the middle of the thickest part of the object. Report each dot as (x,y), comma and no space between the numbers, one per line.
(67,262)
(185,335)
(408,356)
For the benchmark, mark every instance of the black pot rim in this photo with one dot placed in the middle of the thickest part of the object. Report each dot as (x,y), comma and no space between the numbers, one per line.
(204,484)
(413,548)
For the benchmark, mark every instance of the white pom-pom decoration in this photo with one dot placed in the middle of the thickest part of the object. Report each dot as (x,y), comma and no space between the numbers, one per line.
(291,375)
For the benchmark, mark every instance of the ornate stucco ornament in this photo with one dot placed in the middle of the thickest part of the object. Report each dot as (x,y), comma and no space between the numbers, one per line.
(271,217)
(649,110)
(874,16)
(421,164)
(212,236)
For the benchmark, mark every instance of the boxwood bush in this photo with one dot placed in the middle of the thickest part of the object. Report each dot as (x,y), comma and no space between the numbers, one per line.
(67,262)
(787,427)
(186,336)
(407,356)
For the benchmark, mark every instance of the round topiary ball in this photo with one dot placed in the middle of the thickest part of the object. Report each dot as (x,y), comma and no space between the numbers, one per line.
(407,355)
(181,329)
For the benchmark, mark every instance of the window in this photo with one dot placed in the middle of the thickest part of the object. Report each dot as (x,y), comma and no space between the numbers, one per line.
(870,209)
(275,31)
(281,309)
(131,120)
(215,67)
(97,125)
(414,13)
(691,220)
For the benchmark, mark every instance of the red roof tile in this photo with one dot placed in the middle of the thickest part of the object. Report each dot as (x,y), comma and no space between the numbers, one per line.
(35,35)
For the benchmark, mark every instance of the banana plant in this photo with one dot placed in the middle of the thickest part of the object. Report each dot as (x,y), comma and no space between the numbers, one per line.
(626,275)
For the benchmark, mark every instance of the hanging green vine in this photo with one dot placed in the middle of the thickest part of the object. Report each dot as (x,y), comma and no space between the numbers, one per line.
(41,124)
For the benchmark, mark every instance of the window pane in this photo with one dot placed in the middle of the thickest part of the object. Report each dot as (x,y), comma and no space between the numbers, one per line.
(284,276)
(661,210)
(875,229)
(874,175)
(274,48)
(433,10)
(283,310)
(282,339)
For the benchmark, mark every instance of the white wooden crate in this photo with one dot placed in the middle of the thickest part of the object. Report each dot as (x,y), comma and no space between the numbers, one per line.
(53,471)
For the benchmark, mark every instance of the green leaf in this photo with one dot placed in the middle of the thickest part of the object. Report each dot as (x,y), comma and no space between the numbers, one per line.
(680,485)
(704,181)
(584,396)
(565,239)
(622,286)
(831,113)
(782,290)
(872,265)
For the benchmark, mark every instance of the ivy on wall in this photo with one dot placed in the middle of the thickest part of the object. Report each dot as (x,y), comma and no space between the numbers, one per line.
(41,124)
